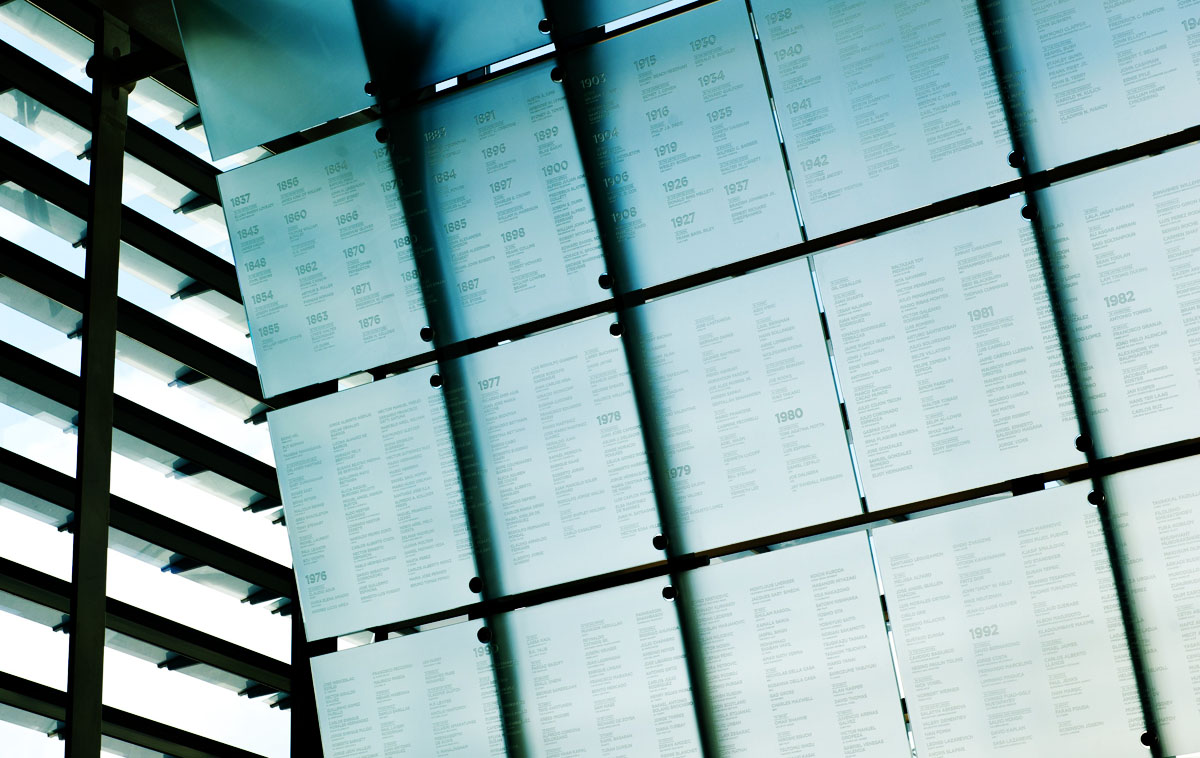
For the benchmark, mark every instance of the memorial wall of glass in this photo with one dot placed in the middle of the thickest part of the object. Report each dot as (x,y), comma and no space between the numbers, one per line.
(706,378)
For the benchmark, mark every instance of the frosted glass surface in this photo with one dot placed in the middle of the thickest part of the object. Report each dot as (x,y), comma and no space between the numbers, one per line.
(599,675)
(324,261)
(796,654)
(1124,242)
(1007,630)
(884,106)
(268,68)
(946,350)
(374,505)
(1157,510)
(427,694)
(557,470)
(753,439)
(684,144)
(510,213)
(1091,77)
(572,16)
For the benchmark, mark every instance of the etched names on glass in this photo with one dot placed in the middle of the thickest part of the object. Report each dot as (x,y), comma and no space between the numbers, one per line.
(556,468)
(796,655)
(1125,246)
(1091,77)
(324,261)
(423,695)
(743,394)
(1008,632)
(374,505)
(510,214)
(1157,510)
(884,106)
(950,366)
(599,675)
(683,144)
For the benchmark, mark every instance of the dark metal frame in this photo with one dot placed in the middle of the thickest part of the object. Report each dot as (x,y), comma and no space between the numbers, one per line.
(51,704)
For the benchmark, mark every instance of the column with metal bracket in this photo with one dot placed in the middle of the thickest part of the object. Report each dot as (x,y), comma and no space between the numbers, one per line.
(85,678)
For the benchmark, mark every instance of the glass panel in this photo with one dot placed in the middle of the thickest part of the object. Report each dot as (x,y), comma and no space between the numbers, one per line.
(29,536)
(152,485)
(1125,247)
(152,384)
(44,38)
(39,326)
(427,43)
(1006,624)
(553,459)
(152,285)
(59,136)
(950,367)
(143,584)
(26,742)
(884,106)
(37,510)
(51,151)
(427,694)
(1157,510)
(165,112)
(374,505)
(1089,78)
(140,687)
(510,214)
(109,746)
(324,261)
(683,142)
(162,200)
(42,327)
(37,544)
(760,617)
(66,146)
(31,650)
(267,69)
(742,390)
(604,670)
(49,231)
(24,210)
(37,428)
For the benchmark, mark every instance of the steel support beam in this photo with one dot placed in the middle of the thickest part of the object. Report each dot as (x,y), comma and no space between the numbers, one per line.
(52,704)
(142,142)
(306,736)
(142,625)
(132,320)
(77,14)
(138,421)
(42,276)
(89,571)
(141,523)
(70,194)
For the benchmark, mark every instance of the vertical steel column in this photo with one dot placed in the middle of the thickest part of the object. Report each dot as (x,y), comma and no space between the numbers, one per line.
(305,734)
(85,675)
